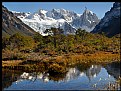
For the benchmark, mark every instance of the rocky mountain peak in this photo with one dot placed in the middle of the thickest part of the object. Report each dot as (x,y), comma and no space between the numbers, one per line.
(87,20)
(110,23)
(67,20)
(116,5)
(87,11)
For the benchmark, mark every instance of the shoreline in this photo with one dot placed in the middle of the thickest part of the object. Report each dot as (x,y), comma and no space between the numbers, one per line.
(62,60)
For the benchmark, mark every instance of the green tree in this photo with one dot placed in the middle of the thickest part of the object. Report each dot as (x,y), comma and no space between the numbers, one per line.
(82,33)
(38,37)
(54,32)
(21,41)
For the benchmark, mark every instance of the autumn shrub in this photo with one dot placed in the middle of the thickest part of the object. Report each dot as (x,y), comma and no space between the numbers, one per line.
(21,42)
(56,68)
(12,55)
(57,77)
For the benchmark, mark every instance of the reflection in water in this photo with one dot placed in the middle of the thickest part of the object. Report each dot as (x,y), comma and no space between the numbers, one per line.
(33,76)
(90,73)
(93,71)
(113,69)
(9,76)
(73,74)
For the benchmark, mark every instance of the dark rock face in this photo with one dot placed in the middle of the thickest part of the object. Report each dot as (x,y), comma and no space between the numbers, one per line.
(114,69)
(11,24)
(110,24)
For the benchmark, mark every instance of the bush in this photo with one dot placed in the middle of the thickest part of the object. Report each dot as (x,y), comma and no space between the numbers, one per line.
(21,42)
(12,55)
(56,68)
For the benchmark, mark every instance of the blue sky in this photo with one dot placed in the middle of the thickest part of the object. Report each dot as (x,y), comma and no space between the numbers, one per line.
(99,8)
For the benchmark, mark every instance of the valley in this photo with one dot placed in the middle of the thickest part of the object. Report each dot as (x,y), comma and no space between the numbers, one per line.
(60,46)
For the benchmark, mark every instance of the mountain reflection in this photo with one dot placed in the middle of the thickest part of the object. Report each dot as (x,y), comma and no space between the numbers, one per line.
(8,77)
(93,71)
(113,69)
(70,75)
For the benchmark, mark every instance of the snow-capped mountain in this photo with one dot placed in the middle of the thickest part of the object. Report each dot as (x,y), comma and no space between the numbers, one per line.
(21,14)
(87,21)
(62,14)
(67,20)
(110,23)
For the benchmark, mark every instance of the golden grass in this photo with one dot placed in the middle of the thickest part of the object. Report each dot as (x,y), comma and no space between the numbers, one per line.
(68,60)
(11,63)
(102,56)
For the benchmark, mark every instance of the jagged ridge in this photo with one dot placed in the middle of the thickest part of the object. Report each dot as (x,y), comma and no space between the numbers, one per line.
(67,20)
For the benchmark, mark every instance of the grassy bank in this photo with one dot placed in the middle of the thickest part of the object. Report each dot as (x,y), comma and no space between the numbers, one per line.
(60,62)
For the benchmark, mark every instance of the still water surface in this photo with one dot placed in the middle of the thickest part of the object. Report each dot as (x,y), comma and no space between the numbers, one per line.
(95,77)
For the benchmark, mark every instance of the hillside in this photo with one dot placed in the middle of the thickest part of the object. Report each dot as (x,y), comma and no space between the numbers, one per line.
(110,24)
(11,24)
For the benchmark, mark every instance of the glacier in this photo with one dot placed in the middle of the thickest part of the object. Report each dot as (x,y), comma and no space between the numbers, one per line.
(67,20)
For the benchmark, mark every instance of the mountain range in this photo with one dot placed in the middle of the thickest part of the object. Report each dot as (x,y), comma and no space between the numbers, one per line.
(67,20)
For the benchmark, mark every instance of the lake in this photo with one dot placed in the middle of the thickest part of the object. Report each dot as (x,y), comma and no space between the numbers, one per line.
(76,78)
